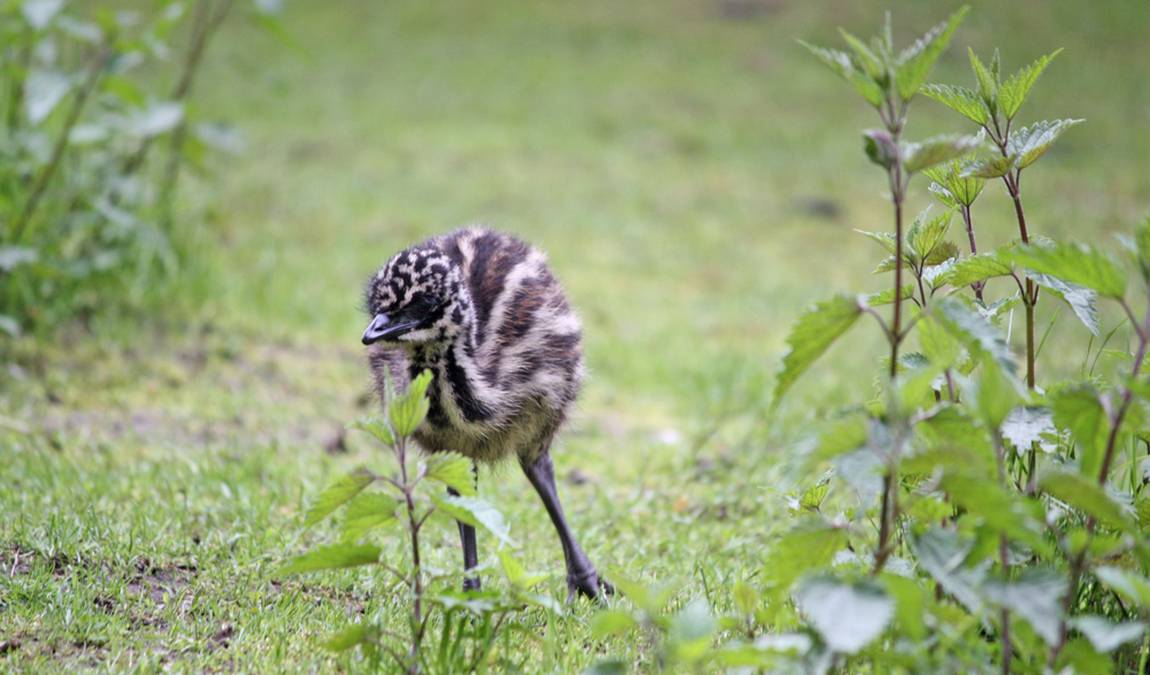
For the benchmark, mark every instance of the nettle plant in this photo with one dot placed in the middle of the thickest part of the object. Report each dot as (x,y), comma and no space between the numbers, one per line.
(969,519)
(97,126)
(450,630)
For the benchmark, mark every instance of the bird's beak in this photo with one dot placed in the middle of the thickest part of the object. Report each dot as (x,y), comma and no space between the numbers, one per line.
(378,329)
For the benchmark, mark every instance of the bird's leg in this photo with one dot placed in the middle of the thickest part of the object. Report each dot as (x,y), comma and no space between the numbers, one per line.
(470,550)
(581,575)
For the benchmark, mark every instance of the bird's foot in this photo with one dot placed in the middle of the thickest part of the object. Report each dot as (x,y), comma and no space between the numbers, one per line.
(589,585)
(471,584)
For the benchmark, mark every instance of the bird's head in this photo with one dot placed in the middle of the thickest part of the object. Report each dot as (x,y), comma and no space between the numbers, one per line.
(417,297)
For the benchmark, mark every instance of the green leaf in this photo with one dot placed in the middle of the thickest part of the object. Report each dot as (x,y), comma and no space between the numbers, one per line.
(880,147)
(338,493)
(924,236)
(951,187)
(406,412)
(989,167)
(937,344)
(943,555)
(848,616)
(377,428)
(841,64)
(865,59)
(689,634)
(1105,635)
(961,100)
(1130,585)
(607,667)
(475,512)
(915,62)
(1142,248)
(1013,92)
(810,546)
(1075,264)
(366,512)
(1028,144)
(937,150)
(612,622)
(1078,409)
(814,332)
(338,556)
(996,394)
(886,297)
(516,574)
(975,268)
(1036,595)
(883,239)
(453,470)
(1085,494)
(1082,301)
(43,91)
(987,82)
(910,603)
(353,635)
(974,331)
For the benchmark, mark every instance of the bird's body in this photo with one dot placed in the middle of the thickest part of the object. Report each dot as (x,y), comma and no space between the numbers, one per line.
(482,311)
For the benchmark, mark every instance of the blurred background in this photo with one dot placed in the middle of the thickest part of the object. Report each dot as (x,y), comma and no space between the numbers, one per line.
(692,172)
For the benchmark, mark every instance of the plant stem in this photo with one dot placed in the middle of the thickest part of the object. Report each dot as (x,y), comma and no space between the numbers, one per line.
(44,178)
(416,570)
(966,218)
(896,320)
(1003,557)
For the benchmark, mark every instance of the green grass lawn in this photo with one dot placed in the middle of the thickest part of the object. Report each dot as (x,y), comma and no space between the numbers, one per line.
(694,176)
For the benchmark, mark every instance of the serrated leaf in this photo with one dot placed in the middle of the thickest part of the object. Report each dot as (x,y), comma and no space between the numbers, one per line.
(338,493)
(377,428)
(516,574)
(989,167)
(924,235)
(453,470)
(366,512)
(1026,425)
(937,150)
(1142,248)
(848,616)
(475,512)
(915,62)
(1082,301)
(1105,635)
(352,636)
(810,545)
(977,333)
(1028,144)
(1036,595)
(943,555)
(937,344)
(43,91)
(841,64)
(408,410)
(975,268)
(1130,585)
(1085,494)
(948,178)
(886,297)
(814,332)
(883,239)
(864,59)
(1013,92)
(338,556)
(961,100)
(987,82)
(1075,264)
(995,395)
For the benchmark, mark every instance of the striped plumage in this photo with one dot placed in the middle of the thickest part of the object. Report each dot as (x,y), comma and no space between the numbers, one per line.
(484,313)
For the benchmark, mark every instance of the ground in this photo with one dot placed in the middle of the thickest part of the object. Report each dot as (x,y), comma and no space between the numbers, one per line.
(694,176)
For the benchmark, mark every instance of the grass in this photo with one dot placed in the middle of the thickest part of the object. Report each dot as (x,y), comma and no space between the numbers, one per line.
(693,177)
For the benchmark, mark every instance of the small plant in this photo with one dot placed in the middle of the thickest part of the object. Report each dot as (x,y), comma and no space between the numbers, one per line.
(965,515)
(87,202)
(467,623)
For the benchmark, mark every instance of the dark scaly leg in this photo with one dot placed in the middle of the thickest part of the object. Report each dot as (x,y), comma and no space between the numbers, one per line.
(467,539)
(581,575)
